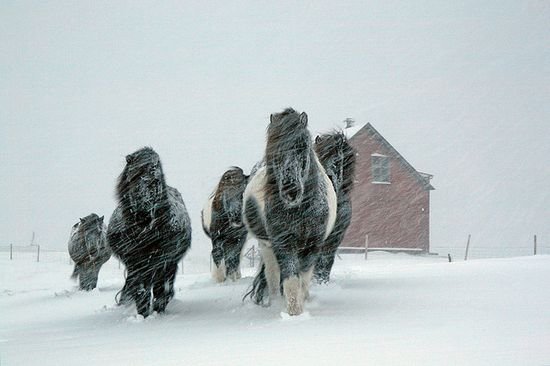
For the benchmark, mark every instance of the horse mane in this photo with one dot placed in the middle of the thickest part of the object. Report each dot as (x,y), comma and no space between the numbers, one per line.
(86,222)
(329,144)
(138,161)
(217,202)
(285,132)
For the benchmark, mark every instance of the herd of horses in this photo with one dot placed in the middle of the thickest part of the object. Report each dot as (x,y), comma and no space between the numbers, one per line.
(295,203)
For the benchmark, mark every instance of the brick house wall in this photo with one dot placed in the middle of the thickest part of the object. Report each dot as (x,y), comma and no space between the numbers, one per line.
(394,214)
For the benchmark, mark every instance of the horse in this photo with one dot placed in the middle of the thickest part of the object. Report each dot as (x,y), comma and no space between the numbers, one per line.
(149,231)
(290,207)
(338,158)
(222,223)
(89,250)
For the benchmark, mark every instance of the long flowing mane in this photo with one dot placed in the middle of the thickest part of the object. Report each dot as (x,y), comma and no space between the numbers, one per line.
(228,181)
(149,232)
(89,250)
(141,187)
(222,222)
(287,138)
(333,148)
(290,207)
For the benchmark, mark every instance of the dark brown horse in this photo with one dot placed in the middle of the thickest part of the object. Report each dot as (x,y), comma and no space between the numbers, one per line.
(222,223)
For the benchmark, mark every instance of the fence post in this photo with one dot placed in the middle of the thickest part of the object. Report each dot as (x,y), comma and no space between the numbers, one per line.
(467,247)
(366,245)
(535,245)
(449,256)
(38,253)
(11,252)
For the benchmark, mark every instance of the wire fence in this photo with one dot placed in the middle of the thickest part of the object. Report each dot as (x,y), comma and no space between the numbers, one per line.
(38,253)
(35,253)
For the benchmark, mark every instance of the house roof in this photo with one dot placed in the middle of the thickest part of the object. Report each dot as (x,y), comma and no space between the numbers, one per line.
(423,178)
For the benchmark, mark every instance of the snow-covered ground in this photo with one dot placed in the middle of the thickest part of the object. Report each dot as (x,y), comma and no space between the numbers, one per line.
(393,309)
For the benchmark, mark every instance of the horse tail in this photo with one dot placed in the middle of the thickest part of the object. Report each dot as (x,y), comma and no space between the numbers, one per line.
(76,272)
(259,287)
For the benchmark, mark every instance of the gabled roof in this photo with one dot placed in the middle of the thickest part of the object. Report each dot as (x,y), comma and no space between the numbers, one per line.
(353,132)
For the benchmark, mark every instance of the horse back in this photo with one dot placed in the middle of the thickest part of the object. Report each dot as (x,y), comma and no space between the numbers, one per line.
(332,200)
(254,205)
(206,215)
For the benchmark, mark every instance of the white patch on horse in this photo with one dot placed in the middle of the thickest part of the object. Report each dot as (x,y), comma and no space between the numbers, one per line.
(256,189)
(272,269)
(207,214)
(331,198)
(219,272)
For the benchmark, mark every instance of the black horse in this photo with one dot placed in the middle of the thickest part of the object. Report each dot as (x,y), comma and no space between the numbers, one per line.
(290,207)
(149,231)
(222,222)
(338,158)
(89,250)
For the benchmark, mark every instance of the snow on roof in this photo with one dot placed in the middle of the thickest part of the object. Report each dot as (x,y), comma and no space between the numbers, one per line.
(351,131)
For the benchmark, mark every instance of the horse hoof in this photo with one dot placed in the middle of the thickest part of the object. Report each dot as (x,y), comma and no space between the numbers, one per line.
(219,273)
(293,308)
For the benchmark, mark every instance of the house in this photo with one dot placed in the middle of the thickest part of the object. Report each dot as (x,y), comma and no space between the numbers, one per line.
(390,199)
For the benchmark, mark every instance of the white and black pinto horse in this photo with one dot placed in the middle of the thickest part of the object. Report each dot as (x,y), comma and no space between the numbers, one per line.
(222,222)
(149,231)
(338,158)
(290,207)
(89,250)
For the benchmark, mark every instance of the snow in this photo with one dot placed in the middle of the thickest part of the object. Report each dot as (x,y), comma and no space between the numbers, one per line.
(393,309)
(351,131)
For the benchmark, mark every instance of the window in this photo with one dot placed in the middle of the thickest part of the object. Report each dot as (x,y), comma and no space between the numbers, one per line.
(380,168)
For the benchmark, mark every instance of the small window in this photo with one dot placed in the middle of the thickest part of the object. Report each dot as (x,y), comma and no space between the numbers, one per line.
(380,168)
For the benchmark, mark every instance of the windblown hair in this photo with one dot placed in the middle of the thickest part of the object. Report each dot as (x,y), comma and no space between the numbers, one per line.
(338,158)
(287,135)
(149,231)
(231,184)
(222,222)
(141,187)
(290,207)
(89,250)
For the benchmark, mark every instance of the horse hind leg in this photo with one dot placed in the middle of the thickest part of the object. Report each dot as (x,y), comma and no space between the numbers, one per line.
(142,298)
(323,267)
(305,278)
(88,278)
(76,271)
(163,289)
(232,261)
(140,288)
(219,271)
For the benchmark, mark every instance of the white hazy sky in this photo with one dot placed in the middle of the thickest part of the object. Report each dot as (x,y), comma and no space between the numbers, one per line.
(461,90)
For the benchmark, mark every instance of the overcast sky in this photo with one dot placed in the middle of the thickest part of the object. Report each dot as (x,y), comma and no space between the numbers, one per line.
(462,91)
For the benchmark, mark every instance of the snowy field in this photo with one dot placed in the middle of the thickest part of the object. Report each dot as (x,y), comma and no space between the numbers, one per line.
(393,309)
